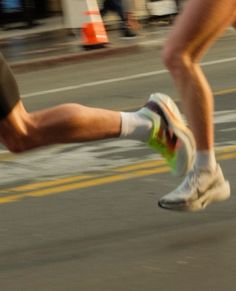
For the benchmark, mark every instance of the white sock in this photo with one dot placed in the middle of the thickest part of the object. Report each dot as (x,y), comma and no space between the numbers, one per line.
(135,125)
(205,160)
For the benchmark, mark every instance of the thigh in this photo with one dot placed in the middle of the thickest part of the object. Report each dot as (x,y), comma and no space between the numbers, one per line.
(9,94)
(200,23)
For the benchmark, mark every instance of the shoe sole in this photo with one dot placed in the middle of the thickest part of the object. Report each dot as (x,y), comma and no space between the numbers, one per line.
(222,193)
(176,122)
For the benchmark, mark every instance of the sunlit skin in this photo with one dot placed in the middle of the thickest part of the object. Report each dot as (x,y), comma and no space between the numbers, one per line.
(21,131)
(195,30)
(201,22)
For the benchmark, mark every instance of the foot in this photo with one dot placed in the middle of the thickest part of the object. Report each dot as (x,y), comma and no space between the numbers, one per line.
(172,139)
(127,33)
(199,188)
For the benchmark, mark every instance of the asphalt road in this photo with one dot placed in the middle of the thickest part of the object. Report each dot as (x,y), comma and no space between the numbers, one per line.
(85,216)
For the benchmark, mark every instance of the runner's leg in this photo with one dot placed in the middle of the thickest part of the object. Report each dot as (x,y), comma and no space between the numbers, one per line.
(196,29)
(201,22)
(20,130)
(68,123)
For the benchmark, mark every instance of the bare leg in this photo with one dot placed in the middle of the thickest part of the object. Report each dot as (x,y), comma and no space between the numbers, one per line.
(201,22)
(196,29)
(67,123)
(20,130)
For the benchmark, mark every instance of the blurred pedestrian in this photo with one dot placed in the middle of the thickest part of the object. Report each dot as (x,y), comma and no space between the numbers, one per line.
(2,21)
(28,13)
(130,8)
(117,7)
(177,2)
(158,123)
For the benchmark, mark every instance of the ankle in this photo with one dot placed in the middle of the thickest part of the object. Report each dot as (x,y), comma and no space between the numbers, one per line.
(135,126)
(205,160)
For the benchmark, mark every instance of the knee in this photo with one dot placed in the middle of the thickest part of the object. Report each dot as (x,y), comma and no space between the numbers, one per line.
(19,138)
(18,143)
(176,60)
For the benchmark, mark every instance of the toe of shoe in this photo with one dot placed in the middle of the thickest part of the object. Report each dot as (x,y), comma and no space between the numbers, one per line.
(172,204)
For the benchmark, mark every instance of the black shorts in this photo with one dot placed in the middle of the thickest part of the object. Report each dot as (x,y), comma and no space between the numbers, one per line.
(9,92)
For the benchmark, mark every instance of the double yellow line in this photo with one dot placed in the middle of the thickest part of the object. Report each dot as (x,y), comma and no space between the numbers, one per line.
(117,174)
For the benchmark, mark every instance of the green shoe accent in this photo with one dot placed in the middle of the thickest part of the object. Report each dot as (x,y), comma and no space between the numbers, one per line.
(170,136)
(160,146)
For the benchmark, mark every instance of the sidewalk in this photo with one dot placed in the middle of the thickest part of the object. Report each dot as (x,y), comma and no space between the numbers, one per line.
(50,43)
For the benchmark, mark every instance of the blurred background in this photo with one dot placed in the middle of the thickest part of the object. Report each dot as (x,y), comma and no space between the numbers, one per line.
(13,11)
(84,217)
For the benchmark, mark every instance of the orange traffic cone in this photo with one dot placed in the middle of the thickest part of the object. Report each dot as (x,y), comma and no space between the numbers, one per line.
(93,33)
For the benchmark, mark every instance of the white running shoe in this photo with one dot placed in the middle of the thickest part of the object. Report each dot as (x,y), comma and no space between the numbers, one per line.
(198,189)
(172,139)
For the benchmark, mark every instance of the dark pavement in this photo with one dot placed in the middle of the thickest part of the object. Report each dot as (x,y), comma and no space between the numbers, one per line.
(85,216)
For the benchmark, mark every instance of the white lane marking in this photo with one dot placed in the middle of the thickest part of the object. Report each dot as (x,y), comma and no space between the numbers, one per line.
(96,83)
(228,129)
(151,42)
(119,79)
(225,116)
(216,62)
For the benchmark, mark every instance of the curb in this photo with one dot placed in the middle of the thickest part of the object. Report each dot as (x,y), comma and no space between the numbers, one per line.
(52,61)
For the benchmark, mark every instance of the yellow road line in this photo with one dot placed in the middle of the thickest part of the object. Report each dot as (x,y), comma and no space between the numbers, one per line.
(65,181)
(50,183)
(84,184)
(224,91)
(130,172)
(62,181)
(111,179)
(225,149)
(146,164)
(226,156)
(224,152)
(136,166)
(96,181)
(7,156)
(12,198)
